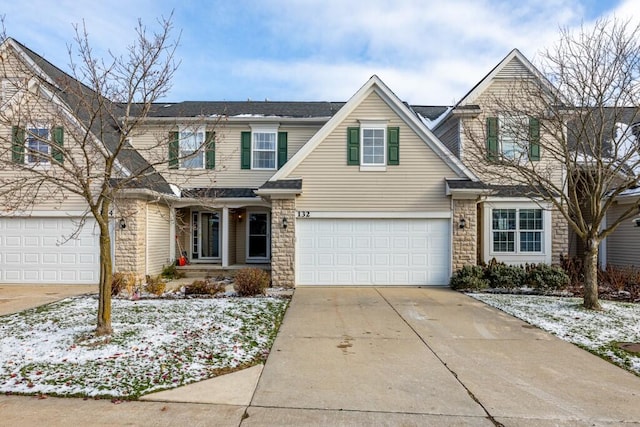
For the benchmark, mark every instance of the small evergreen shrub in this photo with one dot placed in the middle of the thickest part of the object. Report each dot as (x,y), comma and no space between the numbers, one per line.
(155,285)
(171,272)
(501,275)
(545,277)
(251,281)
(204,287)
(469,277)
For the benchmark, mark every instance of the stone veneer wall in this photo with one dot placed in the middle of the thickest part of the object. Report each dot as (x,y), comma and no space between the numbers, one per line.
(283,243)
(464,239)
(559,236)
(131,241)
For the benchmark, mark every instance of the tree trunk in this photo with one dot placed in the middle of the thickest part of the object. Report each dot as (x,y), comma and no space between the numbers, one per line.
(590,260)
(104,298)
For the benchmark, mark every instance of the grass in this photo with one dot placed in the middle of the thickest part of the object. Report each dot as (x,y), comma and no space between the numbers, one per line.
(599,332)
(156,345)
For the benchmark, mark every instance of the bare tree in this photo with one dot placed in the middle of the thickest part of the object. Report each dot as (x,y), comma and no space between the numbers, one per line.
(88,116)
(585,101)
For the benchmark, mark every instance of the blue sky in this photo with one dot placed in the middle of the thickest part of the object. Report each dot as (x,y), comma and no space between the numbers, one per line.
(428,52)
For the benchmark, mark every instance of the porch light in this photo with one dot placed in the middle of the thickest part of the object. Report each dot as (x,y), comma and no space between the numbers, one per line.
(239,217)
(284,223)
(123,223)
(463,223)
(636,221)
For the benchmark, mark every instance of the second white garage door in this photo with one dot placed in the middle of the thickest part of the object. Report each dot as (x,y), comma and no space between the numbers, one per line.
(375,252)
(39,251)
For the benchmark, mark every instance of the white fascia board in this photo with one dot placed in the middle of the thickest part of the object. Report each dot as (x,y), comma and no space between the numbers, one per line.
(229,202)
(27,59)
(374,215)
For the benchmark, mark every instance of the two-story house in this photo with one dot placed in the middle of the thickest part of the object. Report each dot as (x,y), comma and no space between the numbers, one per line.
(356,193)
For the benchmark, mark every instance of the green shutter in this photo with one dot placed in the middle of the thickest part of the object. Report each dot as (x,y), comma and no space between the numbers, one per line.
(174,150)
(393,146)
(353,146)
(210,150)
(17,144)
(245,149)
(58,143)
(534,139)
(282,149)
(492,138)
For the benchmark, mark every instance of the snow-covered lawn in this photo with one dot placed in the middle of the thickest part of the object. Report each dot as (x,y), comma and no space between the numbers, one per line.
(157,344)
(597,331)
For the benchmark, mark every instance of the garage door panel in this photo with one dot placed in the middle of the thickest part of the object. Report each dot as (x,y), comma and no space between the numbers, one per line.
(41,250)
(372,251)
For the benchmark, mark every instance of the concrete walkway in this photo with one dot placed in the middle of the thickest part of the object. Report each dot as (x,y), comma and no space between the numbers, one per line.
(388,356)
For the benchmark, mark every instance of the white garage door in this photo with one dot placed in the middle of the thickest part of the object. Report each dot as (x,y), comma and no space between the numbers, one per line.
(372,251)
(34,250)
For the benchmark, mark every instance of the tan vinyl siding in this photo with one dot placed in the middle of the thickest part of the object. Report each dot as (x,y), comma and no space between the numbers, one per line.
(449,133)
(232,237)
(623,246)
(473,138)
(416,184)
(158,232)
(152,143)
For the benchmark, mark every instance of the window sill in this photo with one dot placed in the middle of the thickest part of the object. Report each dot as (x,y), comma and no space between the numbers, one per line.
(373,168)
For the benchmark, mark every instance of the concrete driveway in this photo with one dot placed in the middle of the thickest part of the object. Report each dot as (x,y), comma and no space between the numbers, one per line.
(387,356)
(406,356)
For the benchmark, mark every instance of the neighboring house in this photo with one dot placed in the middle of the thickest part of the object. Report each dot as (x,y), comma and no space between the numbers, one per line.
(355,193)
(511,227)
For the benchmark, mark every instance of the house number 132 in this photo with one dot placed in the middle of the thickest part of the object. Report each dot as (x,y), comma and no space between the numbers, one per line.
(304,214)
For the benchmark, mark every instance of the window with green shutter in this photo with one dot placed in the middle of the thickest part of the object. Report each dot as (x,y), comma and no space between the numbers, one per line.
(17,144)
(353,146)
(282,149)
(210,150)
(245,150)
(174,150)
(534,139)
(393,146)
(492,138)
(58,142)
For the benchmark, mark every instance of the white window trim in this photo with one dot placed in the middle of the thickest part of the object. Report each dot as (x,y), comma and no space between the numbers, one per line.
(373,167)
(264,128)
(195,131)
(517,257)
(522,143)
(27,151)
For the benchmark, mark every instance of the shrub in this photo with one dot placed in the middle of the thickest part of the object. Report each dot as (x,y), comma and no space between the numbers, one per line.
(121,282)
(171,272)
(155,285)
(204,287)
(469,277)
(545,277)
(251,281)
(574,269)
(501,275)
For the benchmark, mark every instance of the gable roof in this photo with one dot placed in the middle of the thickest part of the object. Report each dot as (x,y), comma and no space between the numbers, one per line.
(73,94)
(375,85)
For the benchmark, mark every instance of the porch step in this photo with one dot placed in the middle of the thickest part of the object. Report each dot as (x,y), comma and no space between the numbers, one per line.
(213,270)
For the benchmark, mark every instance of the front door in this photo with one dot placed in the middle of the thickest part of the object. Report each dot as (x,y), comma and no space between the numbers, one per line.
(209,235)
(258,246)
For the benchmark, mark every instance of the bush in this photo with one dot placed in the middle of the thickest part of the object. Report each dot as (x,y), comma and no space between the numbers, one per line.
(155,285)
(251,281)
(171,272)
(469,277)
(574,269)
(121,282)
(546,277)
(501,275)
(204,287)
